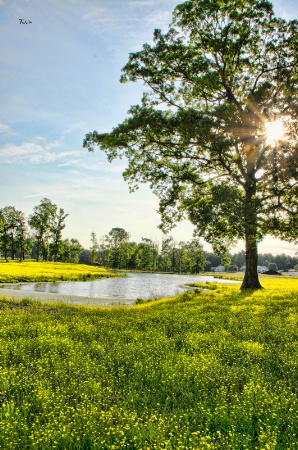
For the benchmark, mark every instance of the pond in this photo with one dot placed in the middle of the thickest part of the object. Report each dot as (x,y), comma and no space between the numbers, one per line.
(111,291)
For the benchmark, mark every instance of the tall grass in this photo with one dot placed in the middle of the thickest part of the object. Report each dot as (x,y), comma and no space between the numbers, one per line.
(209,370)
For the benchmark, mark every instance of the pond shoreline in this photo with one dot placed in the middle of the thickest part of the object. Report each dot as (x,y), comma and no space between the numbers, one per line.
(110,292)
(62,298)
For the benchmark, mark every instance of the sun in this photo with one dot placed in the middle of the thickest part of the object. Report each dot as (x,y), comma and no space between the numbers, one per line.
(274,130)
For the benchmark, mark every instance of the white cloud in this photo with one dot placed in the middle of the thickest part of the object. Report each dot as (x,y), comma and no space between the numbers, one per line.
(129,18)
(75,127)
(101,167)
(30,152)
(40,138)
(4,128)
(287,10)
(99,15)
(159,19)
(73,162)
(140,3)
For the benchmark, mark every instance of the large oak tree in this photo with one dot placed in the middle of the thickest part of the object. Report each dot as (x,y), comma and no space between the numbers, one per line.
(216,78)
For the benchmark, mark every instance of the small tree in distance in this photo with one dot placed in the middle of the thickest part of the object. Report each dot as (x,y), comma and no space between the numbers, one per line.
(42,222)
(118,247)
(57,227)
(273,266)
(94,248)
(222,73)
(12,231)
(226,261)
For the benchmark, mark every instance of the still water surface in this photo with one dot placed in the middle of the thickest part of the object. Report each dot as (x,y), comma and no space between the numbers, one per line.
(136,285)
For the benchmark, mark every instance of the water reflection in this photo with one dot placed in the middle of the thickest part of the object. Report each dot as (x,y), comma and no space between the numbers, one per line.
(136,285)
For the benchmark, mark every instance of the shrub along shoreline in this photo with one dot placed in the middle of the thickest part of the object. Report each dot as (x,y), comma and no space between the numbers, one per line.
(202,370)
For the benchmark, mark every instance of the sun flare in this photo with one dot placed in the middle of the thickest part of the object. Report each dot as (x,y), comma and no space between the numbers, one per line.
(274,130)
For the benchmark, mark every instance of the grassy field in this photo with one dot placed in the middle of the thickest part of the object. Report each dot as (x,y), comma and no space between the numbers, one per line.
(14,272)
(209,370)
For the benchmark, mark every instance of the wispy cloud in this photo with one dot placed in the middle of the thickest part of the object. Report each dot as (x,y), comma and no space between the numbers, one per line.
(134,16)
(79,185)
(140,3)
(286,10)
(6,132)
(4,128)
(75,127)
(30,152)
(97,14)
(72,162)
(159,19)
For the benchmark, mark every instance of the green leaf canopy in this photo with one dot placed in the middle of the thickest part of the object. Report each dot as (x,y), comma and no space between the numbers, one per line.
(198,137)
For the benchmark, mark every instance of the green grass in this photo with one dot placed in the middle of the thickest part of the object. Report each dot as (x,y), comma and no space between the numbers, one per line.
(238,276)
(209,370)
(207,285)
(31,271)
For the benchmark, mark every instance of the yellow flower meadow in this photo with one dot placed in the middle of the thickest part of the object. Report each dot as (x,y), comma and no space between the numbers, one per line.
(14,271)
(203,370)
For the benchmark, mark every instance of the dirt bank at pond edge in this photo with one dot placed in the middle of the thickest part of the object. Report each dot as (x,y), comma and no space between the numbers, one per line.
(70,299)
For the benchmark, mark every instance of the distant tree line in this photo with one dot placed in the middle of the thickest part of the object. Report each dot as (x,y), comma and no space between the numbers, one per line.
(38,237)
(276,262)
(115,250)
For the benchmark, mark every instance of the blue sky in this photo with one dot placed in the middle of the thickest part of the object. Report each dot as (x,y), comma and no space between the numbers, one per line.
(59,80)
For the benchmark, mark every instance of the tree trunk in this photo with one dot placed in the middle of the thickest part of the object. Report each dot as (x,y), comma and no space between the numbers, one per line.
(37,250)
(251,277)
(12,247)
(4,245)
